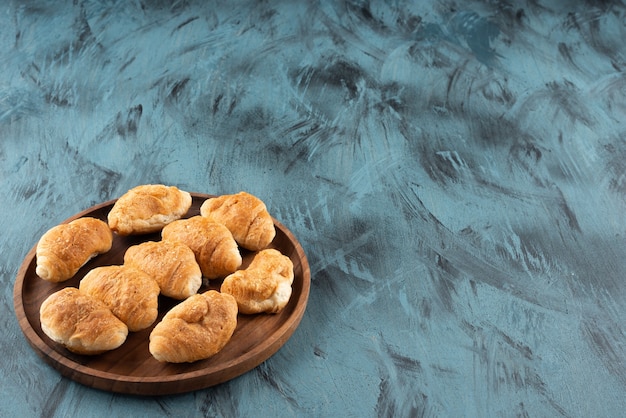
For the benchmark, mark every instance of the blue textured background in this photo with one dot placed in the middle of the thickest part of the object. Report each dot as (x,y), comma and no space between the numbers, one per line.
(454,170)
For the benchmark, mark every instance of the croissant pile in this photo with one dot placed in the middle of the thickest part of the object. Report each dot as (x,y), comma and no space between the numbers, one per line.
(112,301)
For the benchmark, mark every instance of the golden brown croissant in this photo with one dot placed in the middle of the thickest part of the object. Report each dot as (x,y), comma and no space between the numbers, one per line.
(128,292)
(195,329)
(81,323)
(215,249)
(245,216)
(65,248)
(171,263)
(264,286)
(148,208)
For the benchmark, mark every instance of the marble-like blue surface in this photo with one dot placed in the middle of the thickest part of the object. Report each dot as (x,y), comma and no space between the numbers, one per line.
(454,170)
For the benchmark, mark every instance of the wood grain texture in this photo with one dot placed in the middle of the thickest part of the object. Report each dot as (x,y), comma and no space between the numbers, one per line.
(131,368)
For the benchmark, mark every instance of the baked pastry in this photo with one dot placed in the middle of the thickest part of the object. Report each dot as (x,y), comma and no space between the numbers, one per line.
(245,216)
(128,292)
(215,249)
(264,286)
(171,263)
(81,323)
(148,208)
(65,248)
(195,329)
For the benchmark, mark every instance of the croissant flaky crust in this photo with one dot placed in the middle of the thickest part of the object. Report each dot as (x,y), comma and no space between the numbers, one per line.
(128,292)
(171,263)
(264,286)
(215,248)
(81,323)
(246,217)
(195,329)
(65,248)
(148,208)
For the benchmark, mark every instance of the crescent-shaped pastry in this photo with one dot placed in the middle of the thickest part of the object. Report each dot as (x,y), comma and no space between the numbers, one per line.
(264,286)
(245,216)
(195,329)
(128,292)
(171,263)
(81,323)
(65,248)
(148,208)
(215,249)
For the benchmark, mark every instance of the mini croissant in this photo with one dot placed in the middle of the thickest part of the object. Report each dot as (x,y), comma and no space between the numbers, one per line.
(195,329)
(65,248)
(148,208)
(215,249)
(171,263)
(246,217)
(264,286)
(81,323)
(128,292)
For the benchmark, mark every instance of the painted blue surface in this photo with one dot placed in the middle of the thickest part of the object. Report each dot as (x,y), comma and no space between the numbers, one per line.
(454,170)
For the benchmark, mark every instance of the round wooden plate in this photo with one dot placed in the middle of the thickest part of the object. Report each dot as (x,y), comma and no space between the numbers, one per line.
(131,369)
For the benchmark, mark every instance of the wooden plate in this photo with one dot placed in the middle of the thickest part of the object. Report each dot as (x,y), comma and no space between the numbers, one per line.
(131,369)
